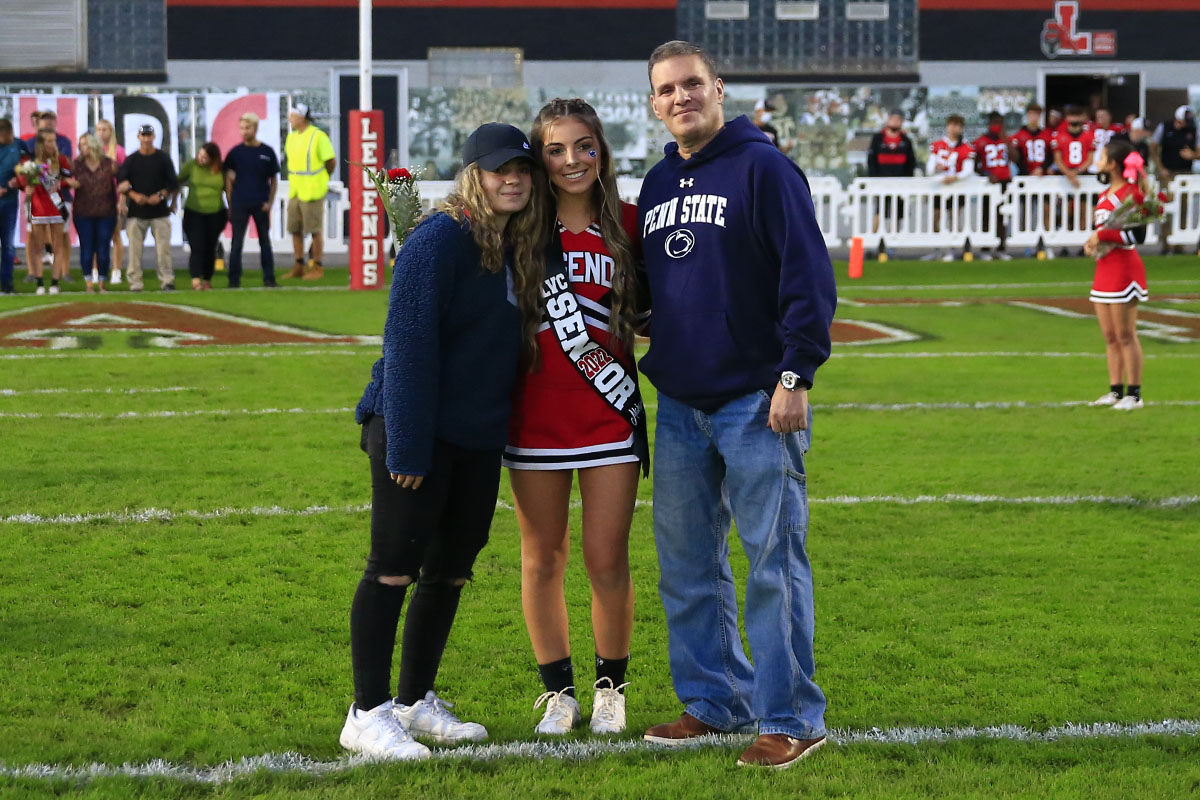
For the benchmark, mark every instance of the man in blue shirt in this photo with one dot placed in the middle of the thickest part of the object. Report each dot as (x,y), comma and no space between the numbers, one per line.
(251,177)
(11,152)
(743,296)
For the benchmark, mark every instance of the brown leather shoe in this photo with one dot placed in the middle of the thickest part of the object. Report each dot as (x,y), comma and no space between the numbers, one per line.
(679,731)
(297,270)
(778,751)
(314,273)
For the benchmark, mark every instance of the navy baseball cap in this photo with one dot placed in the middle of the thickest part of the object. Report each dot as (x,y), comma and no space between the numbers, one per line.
(493,144)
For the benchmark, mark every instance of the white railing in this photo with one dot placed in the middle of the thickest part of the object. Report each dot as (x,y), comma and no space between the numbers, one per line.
(901,212)
(337,203)
(1184,211)
(923,212)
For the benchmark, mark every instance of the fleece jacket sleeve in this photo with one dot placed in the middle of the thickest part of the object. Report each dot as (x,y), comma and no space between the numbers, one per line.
(410,348)
(787,224)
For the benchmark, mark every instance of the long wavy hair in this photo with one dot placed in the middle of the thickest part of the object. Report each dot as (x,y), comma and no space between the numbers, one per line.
(42,155)
(606,206)
(467,203)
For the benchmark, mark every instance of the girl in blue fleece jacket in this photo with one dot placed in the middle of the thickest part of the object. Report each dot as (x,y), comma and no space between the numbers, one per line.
(434,419)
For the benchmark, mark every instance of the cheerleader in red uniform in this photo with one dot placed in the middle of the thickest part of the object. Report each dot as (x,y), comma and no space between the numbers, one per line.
(47,210)
(1120,282)
(577,409)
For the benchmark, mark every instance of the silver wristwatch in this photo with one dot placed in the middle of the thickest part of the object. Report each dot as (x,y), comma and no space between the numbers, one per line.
(791,381)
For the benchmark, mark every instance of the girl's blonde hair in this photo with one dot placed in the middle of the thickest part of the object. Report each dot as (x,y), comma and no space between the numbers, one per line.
(468,203)
(93,144)
(109,149)
(606,205)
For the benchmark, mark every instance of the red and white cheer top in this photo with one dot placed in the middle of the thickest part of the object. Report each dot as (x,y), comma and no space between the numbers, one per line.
(558,420)
(1120,274)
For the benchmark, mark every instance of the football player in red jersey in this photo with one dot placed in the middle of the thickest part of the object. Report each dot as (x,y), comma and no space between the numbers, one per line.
(1030,145)
(991,159)
(950,158)
(1103,129)
(1073,146)
(562,424)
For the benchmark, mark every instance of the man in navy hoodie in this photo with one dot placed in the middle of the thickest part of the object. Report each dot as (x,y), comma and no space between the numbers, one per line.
(743,297)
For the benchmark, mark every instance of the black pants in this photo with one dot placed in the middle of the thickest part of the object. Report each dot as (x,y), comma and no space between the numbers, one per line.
(433,535)
(240,217)
(202,231)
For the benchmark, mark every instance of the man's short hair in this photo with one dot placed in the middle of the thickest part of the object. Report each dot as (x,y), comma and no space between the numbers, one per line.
(1033,107)
(955,119)
(1074,111)
(250,117)
(677,47)
(5,125)
(48,114)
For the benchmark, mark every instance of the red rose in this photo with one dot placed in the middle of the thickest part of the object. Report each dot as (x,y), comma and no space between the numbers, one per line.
(399,174)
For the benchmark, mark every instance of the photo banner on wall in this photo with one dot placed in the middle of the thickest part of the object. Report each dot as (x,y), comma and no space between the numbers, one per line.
(223,113)
(72,111)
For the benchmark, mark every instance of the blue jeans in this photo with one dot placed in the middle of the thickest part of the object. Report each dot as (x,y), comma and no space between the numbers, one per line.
(240,217)
(95,239)
(709,469)
(8,250)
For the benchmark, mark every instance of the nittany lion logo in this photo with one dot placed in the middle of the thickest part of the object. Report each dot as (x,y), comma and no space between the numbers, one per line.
(680,243)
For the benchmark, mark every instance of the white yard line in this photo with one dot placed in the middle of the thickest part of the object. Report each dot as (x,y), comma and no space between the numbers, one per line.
(292,762)
(980,406)
(949,287)
(224,351)
(996,354)
(158,515)
(109,390)
(206,412)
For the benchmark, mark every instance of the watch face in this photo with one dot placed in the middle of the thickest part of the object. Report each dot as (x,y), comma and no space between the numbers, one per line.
(788,379)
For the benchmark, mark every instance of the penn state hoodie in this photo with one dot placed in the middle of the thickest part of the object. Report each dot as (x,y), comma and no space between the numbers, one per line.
(740,278)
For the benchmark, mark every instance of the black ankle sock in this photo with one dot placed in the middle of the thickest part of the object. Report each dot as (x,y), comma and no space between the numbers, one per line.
(558,675)
(1134,390)
(54,281)
(613,669)
(41,282)
(374,616)
(426,629)
(1117,389)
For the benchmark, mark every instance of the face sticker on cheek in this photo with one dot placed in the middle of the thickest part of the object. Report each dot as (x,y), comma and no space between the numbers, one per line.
(591,153)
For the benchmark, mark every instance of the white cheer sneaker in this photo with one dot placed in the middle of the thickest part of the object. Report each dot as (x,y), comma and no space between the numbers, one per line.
(562,713)
(608,707)
(379,734)
(431,717)
(1106,399)
(1127,403)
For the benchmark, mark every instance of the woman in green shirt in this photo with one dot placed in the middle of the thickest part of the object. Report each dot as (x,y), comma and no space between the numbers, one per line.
(204,214)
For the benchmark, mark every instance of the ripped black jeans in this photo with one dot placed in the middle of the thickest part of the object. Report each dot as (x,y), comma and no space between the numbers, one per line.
(432,536)
(438,530)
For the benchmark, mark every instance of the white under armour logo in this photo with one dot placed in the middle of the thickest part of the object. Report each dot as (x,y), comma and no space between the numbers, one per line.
(686,182)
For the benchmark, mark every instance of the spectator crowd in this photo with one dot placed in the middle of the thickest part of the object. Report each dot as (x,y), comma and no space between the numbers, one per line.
(50,184)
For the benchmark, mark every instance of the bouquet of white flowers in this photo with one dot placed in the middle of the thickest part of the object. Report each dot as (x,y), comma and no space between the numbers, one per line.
(30,170)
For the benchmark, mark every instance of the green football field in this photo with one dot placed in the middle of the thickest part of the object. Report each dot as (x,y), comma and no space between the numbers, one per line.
(1006,579)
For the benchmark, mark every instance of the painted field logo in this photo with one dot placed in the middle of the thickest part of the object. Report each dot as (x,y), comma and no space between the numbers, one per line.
(858,332)
(86,326)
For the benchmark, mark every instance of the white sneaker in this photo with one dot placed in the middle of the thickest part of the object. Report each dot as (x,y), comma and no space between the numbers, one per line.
(948,256)
(40,290)
(116,277)
(1002,256)
(377,733)
(1128,403)
(985,256)
(47,259)
(1106,399)
(53,290)
(430,717)
(608,707)
(562,713)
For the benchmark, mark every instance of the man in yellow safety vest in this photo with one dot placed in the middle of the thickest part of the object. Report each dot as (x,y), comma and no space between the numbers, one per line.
(309,160)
